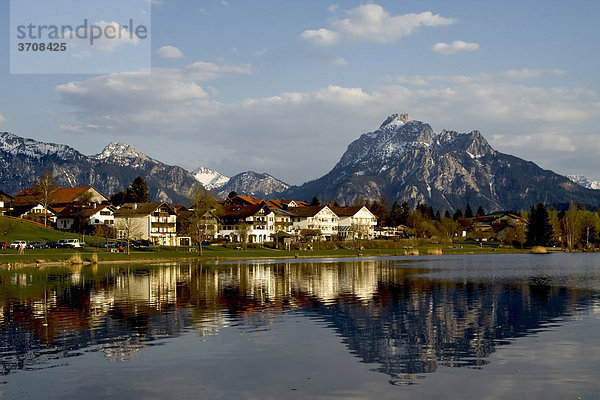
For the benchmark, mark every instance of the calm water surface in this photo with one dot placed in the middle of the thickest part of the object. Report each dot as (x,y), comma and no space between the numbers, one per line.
(499,326)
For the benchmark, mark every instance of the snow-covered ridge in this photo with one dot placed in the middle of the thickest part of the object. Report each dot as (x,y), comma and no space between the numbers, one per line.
(16,145)
(585,182)
(209,178)
(123,154)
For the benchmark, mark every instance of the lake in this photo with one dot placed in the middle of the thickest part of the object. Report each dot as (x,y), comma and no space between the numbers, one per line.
(447,327)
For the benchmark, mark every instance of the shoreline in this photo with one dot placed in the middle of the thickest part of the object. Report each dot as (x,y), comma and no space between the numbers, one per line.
(41,263)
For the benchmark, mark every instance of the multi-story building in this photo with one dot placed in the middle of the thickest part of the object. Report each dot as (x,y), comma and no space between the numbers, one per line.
(155,222)
(313,221)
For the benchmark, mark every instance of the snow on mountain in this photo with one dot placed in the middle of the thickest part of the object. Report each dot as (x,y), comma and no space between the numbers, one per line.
(123,154)
(209,178)
(585,182)
(18,146)
(405,160)
(251,183)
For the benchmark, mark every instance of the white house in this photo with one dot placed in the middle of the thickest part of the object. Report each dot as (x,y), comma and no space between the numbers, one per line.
(257,222)
(319,220)
(355,222)
(156,222)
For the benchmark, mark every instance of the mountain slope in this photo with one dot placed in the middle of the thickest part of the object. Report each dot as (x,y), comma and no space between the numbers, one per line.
(24,160)
(405,160)
(251,183)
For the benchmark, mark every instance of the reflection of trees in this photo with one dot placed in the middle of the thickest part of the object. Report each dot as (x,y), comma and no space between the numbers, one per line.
(387,316)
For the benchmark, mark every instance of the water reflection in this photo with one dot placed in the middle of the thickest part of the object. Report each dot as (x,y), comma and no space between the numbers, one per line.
(404,319)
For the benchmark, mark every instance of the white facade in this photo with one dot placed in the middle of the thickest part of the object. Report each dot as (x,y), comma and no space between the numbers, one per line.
(325,221)
(359,225)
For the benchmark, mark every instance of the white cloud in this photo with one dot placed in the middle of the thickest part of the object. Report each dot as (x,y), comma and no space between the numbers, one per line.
(371,23)
(454,47)
(525,120)
(169,52)
(321,37)
(224,3)
(155,2)
(2,118)
(338,61)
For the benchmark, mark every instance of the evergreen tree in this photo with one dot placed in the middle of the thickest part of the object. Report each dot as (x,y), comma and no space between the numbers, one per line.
(447,214)
(381,211)
(457,214)
(315,201)
(231,194)
(480,212)
(394,217)
(438,216)
(118,198)
(405,213)
(539,228)
(468,211)
(137,192)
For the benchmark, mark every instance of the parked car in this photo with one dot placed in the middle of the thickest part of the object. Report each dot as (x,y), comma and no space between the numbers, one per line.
(17,243)
(35,245)
(70,243)
(3,245)
(110,245)
(50,245)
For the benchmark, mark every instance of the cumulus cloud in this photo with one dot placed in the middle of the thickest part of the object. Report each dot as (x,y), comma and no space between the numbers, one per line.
(169,52)
(525,120)
(371,23)
(454,47)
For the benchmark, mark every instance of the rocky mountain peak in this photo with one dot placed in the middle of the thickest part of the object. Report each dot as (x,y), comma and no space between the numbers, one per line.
(122,153)
(210,178)
(395,120)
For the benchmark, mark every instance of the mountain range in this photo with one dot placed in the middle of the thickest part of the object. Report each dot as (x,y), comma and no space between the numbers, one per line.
(402,160)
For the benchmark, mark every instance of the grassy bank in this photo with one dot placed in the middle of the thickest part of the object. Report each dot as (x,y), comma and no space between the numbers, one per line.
(88,255)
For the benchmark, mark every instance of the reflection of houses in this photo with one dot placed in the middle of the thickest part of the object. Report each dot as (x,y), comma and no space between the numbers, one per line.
(314,221)
(5,203)
(355,222)
(77,218)
(256,222)
(156,222)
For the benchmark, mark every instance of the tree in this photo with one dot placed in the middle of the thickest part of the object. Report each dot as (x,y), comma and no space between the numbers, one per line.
(129,228)
(381,211)
(137,192)
(480,212)
(118,198)
(457,214)
(202,221)
(43,190)
(105,231)
(539,228)
(404,214)
(243,230)
(231,194)
(447,214)
(315,201)
(468,211)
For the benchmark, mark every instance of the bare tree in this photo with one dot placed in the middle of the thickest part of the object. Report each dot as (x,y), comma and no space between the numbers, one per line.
(129,228)
(202,221)
(243,230)
(43,189)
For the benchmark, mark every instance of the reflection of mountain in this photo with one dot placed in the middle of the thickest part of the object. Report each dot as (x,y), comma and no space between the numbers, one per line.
(403,322)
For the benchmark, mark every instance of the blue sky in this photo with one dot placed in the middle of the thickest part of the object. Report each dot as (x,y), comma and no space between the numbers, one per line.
(284,86)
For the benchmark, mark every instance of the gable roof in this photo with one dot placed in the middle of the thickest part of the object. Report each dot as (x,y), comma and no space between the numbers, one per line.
(307,211)
(5,196)
(58,196)
(140,209)
(240,211)
(72,211)
(347,211)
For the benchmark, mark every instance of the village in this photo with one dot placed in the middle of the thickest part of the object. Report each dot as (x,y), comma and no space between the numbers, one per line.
(238,219)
